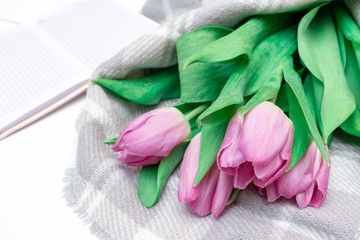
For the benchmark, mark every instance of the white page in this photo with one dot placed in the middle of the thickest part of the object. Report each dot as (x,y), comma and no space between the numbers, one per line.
(32,73)
(94,31)
(41,62)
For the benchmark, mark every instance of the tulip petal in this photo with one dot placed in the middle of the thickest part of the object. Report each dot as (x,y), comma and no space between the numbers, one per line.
(316,194)
(203,203)
(244,175)
(222,194)
(303,199)
(281,165)
(159,135)
(265,132)
(287,149)
(229,171)
(266,174)
(264,171)
(322,181)
(300,177)
(271,192)
(188,170)
(229,156)
(132,160)
(137,122)
(320,191)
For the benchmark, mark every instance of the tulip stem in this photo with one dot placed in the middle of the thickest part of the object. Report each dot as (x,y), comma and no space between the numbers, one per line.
(196,112)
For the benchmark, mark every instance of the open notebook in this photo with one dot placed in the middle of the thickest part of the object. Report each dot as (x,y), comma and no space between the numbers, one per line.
(48,62)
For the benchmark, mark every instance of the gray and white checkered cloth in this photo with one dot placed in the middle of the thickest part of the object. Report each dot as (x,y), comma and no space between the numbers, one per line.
(103,191)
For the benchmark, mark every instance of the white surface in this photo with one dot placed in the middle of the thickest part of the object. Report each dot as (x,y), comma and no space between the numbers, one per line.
(34,160)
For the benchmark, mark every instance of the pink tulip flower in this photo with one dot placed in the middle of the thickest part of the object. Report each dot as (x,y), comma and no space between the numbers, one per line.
(152,136)
(257,146)
(212,193)
(307,181)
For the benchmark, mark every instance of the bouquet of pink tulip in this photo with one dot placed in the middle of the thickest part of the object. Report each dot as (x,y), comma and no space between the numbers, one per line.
(259,104)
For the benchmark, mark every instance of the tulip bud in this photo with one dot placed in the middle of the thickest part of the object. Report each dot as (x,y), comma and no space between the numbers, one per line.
(230,159)
(307,180)
(222,194)
(152,136)
(257,146)
(212,193)
(187,191)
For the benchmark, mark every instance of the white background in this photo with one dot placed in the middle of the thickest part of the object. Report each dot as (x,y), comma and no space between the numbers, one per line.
(33,160)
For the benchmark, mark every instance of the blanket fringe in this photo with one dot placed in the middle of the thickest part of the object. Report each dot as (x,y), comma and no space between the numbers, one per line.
(72,200)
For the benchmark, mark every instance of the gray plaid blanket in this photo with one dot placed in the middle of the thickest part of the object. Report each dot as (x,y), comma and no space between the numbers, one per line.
(103,191)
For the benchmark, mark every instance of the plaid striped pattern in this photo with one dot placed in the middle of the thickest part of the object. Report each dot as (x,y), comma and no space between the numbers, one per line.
(103,191)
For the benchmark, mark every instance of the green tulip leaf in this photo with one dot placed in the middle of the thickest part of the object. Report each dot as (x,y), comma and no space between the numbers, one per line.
(351,32)
(352,124)
(341,46)
(111,141)
(230,97)
(282,99)
(352,72)
(186,107)
(201,82)
(307,46)
(260,72)
(267,91)
(233,196)
(318,92)
(293,79)
(302,137)
(195,130)
(240,43)
(147,90)
(152,178)
(309,93)
(274,49)
(320,52)
(211,139)
(348,27)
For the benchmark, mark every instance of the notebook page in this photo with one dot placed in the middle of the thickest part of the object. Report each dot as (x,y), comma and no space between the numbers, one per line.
(42,61)
(93,31)
(32,72)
